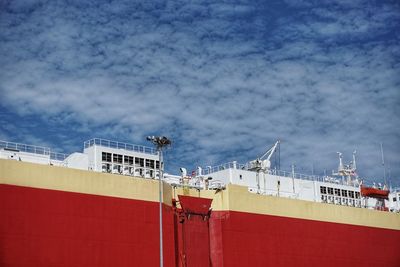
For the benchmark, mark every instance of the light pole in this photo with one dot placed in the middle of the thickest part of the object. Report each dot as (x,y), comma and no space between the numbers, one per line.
(160,142)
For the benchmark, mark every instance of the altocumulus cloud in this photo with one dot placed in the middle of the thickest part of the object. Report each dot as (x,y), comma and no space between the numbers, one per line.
(223,79)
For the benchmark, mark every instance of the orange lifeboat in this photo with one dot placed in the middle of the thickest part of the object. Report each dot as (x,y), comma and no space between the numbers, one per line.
(374,192)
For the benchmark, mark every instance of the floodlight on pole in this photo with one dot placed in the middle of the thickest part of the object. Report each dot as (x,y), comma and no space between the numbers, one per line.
(160,142)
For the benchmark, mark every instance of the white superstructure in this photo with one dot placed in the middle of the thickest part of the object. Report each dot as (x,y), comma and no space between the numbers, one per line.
(121,158)
(30,153)
(340,188)
(100,155)
(287,184)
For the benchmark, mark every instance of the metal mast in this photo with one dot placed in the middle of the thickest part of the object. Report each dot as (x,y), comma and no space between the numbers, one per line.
(383,165)
(160,142)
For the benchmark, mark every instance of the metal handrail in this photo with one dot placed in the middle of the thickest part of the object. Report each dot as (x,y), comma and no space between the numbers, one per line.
(58,156)
(119,145)
(39,150)
(234,165)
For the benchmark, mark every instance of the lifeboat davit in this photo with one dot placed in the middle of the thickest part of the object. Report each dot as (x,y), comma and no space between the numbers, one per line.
(374,192)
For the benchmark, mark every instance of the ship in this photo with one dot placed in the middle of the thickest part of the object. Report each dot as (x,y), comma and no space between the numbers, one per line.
(113,205)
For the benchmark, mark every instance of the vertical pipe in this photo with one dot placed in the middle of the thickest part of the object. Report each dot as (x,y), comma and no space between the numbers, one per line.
(258,181)
(265,183)
(160,192)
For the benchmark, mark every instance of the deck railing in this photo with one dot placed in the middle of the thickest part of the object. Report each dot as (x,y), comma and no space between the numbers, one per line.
(234,165)
(119,145)
(39,150)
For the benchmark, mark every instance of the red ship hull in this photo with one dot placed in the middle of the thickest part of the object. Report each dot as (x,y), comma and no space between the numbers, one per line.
(52,225)
(52,228)
(260,240)
(41,227)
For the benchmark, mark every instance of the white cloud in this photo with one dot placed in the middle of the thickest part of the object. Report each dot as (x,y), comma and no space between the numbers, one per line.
(197,74)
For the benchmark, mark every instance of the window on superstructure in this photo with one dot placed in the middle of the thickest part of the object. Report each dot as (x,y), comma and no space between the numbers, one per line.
(106,157)
(157,164)
(106,167)
(323,190)
(351,194)
(337,192)
(357,194)
(150,163)
(344,193)
(394,199)
(117,158)
(141,162)
(330,190)
(117,169)
(128,160)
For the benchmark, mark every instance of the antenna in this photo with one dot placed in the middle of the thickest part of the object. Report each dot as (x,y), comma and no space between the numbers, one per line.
(293,174)
(383,165)
(278,157)
(312,168)
(341,167)
(354,165)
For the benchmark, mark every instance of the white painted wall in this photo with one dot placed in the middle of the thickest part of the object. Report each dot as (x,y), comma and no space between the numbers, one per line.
(77,161)
(24,156)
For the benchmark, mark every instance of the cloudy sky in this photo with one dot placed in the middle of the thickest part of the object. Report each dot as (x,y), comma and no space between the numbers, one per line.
(223,79)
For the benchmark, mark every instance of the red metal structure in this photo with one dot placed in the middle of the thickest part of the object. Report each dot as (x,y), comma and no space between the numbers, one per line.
(193,231)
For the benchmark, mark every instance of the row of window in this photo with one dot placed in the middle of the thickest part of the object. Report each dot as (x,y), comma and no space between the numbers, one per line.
(339,192)
(129,160)
(127,170)
(341,201)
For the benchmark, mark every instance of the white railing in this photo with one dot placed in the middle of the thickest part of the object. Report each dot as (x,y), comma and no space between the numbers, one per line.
(39,150)
(234,165)
(58,156)
(225,166)
(119,145)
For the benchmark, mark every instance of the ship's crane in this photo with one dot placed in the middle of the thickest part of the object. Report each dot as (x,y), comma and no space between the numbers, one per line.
(262,163)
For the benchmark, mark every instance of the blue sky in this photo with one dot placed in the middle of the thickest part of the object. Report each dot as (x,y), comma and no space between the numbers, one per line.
(223,79)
